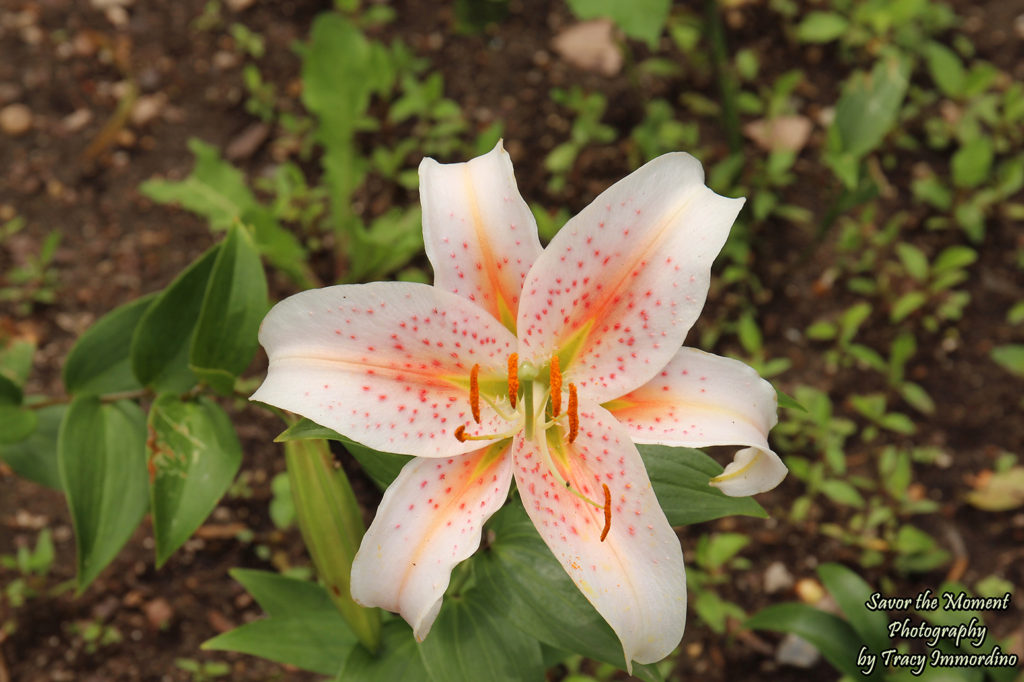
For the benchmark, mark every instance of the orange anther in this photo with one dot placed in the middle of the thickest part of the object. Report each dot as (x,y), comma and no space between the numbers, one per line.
(474,392)
(460,433)
(574,420)
(556,387)
(607,512)
(513,379)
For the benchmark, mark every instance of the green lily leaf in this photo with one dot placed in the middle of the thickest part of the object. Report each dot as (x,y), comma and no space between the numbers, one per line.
(160,344)
(680,478)
(101,453)
(382,467)
(194,455)
(302,627)
(100,361)
(397,659)
(470,642)
(537,596)
(851,592)
(832,636)
(233,306)
(35,457)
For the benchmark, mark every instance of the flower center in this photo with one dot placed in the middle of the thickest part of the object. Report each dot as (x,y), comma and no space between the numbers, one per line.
(535,423)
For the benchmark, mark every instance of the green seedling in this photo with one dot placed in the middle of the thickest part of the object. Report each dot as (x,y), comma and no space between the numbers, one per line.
(716,557)
(586,129)
(262,100)
(247,40)
(202,671)
(95,635)
(33,282)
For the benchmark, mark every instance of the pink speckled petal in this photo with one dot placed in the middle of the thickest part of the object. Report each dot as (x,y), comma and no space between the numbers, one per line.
(386,364)
(635,578)
(429,520)
(620,285)
(700,400)
(479,234)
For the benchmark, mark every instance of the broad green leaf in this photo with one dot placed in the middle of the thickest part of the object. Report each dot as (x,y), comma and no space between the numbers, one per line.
(302,628)
(100,361)
(235,302)
(398,659)
(101,450)
(640,19)
(10,392)
(219,192)
(16,359)
(194,455)
(788,402)
(972,163)
(161,340)
(869,105)
(470,641)
(332,527)
(382,467)
(35,458)
(18,423)
(306,428)
(946,69)
(821,27)
(537,596)
(851,592)
(680,479)
(832,636)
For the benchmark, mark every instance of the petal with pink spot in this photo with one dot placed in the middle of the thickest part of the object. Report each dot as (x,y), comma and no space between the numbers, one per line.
(699,400)
(429,520)
(386,364)
(634,578)
(619,286)
(479,234)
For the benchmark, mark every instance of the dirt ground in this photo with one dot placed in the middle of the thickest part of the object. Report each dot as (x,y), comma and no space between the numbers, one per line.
(68,62)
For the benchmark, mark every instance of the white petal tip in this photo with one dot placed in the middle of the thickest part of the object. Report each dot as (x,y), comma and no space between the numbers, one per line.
(752,471)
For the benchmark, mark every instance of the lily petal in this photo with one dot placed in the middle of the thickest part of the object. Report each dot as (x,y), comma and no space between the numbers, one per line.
(479,234)
(386,364)
(619,286)
(635,578)
(429,520)
(699,400)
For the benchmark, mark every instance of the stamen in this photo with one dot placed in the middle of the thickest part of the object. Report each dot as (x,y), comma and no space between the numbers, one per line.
(460,433)
(574,420)
(607,512)
(474,392)
(513,379)
(556,387)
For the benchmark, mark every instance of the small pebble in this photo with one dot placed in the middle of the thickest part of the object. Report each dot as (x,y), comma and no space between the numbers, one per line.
(15,119)
(796,651)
